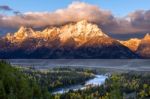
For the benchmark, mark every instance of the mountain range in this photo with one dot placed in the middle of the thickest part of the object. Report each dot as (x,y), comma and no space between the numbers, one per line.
(80,40)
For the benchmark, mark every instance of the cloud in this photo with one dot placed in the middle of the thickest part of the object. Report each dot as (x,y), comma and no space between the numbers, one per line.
(5,8)
(74,12)
(138,21)
(9,9)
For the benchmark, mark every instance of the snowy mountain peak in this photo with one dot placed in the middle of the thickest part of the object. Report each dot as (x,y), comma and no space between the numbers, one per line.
(147,36)
(80,32)
(20,35)
(82,22)
(89,29)
(22,29)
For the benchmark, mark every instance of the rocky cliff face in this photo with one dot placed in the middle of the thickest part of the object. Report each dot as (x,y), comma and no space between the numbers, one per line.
(132,44)
(144,47)
(73,40)
(139,46)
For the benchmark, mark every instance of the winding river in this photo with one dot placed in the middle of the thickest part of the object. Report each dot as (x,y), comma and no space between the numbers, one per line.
(96,81)
(111,64)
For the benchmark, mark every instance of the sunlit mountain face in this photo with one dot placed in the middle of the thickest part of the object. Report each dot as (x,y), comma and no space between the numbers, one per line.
(73,40)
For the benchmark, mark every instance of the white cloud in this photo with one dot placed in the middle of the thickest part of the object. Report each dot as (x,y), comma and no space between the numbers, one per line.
(138,21)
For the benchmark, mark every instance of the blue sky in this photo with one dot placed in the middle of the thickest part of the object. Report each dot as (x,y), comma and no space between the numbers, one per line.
(117,7)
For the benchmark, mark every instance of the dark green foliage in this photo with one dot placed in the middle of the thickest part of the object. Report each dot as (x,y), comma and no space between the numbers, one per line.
(29,83)
(59,77)
(16,85)
(119,86)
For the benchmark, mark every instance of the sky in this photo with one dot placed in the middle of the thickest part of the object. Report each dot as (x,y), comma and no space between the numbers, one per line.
(117,7)
(116,17)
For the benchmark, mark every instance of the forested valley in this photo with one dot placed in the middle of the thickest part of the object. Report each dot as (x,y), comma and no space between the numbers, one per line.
(30,83)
